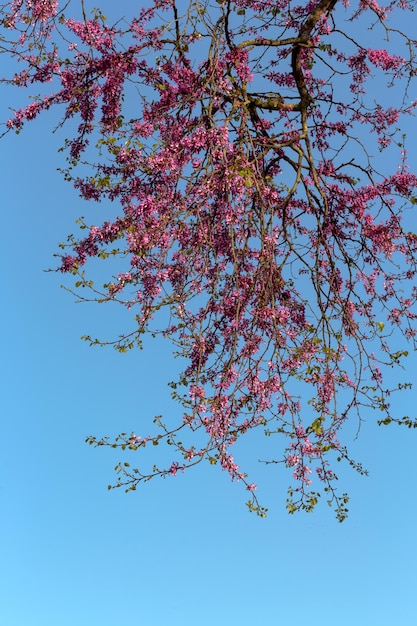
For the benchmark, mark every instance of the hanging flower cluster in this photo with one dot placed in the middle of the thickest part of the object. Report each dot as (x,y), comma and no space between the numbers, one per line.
(256,230)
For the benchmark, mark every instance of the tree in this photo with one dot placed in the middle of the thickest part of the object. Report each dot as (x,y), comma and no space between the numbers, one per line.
(259,230)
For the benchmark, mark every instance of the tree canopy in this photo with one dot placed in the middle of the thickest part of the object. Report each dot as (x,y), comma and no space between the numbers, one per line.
(254,152)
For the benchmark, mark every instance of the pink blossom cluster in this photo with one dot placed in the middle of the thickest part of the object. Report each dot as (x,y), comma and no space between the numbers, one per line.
(385,60)
(253,230)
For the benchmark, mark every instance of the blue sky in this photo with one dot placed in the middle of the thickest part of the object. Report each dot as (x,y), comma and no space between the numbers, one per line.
(179,551)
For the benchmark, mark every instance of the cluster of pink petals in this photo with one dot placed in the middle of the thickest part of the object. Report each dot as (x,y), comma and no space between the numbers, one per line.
(252,230)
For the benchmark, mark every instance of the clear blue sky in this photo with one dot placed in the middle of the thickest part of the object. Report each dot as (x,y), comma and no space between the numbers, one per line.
(182,551)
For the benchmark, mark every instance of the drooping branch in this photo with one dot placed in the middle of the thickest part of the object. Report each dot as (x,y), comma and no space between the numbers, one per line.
(256,231)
